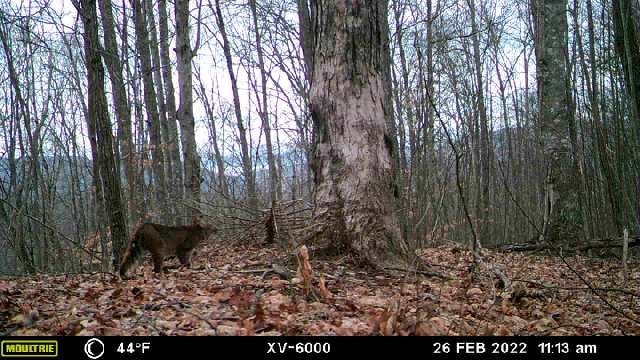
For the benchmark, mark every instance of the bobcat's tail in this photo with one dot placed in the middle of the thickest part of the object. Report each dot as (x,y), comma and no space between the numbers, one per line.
(133,251)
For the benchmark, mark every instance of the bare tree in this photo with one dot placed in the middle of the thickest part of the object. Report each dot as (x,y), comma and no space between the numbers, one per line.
(353,152)
(167,80)
(481,148)
(627,43)
(560,204)
(119,93)
(162,104)
(151,107)
(247,168)
(185,109)
(98,115)
(275,186)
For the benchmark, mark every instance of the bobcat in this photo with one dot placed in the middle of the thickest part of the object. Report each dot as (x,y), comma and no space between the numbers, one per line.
(163,241)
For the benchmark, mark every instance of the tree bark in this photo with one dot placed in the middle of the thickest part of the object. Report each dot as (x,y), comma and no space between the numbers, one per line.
(353,163)
(98,114)
(185,109)
(484,161)
(119,93)
(170,99)
(305,21)
(162,105)
(561,219)
(151,106)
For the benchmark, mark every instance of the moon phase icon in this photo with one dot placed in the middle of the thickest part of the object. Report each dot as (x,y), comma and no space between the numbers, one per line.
(97,351)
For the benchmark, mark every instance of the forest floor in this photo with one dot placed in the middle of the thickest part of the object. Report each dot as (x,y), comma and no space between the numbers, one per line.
(229,293)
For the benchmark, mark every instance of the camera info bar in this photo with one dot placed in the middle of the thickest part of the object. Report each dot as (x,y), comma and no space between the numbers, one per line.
(314,347)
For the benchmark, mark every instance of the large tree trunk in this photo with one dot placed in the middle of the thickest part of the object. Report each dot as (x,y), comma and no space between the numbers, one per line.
(151,106)
(560,206)
(353,161)
(185,109)
(99,115)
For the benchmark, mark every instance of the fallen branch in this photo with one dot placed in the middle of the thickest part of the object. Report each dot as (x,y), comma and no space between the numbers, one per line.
(604,243)
(416,271)
(280,270)
(575,288)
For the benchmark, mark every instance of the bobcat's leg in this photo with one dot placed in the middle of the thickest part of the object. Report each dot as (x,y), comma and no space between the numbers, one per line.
(185,257)
(158,259)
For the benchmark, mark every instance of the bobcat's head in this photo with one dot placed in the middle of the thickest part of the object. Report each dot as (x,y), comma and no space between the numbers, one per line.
(207,229)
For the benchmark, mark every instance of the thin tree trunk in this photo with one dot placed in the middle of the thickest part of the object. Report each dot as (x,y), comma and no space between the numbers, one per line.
(99,115)
(627,43)
(275,185)
(162,107)
(307,40)
(247,168)
(590,77)
(485,158)
(185,109)
(119,93)
(151,106)
(222,183)
(170,99)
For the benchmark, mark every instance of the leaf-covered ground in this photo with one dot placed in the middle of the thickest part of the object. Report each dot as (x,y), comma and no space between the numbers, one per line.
(228,293)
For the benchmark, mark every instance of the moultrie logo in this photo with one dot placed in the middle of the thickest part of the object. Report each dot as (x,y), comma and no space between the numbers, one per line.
(29,348)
